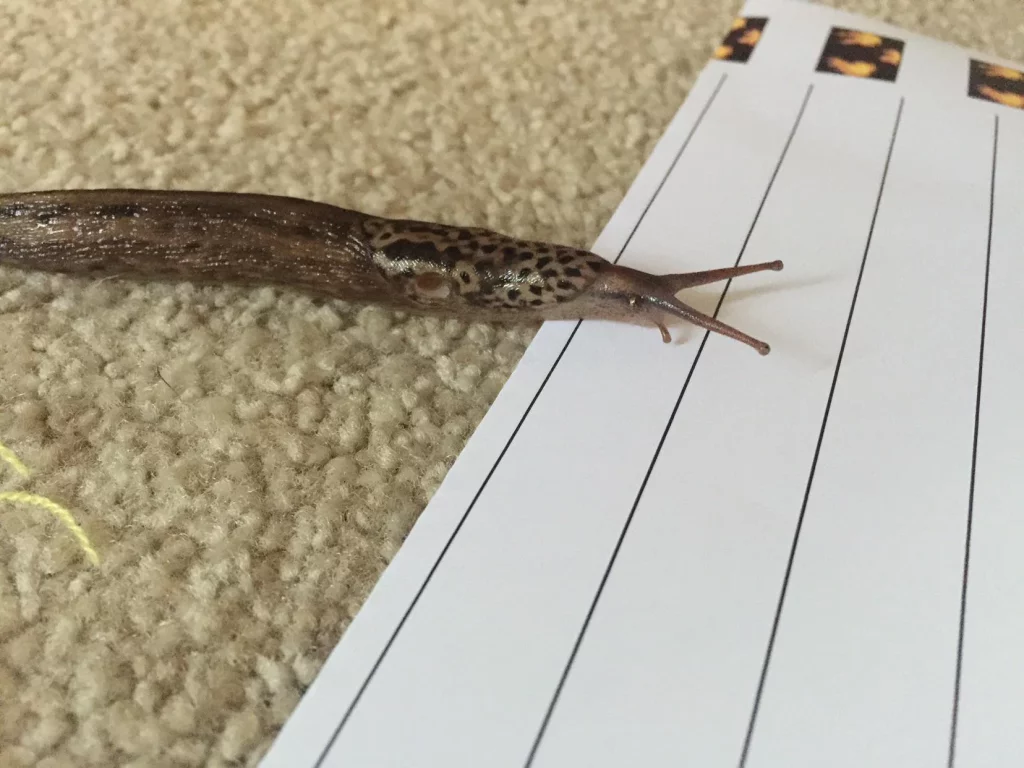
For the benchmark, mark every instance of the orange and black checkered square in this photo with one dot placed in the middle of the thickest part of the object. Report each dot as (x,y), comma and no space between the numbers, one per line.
(854,53)
(739,44)
(992,82)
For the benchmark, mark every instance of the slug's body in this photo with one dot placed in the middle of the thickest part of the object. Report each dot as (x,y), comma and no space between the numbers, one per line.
(252,239)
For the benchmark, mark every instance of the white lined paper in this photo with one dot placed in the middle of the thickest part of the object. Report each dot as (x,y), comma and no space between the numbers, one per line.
(728,519)
(528,619)
(992,679)
(862,671)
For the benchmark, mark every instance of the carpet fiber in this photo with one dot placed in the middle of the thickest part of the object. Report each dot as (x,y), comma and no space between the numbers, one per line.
(247,462)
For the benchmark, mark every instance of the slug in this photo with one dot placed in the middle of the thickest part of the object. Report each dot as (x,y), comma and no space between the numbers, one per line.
(324,250)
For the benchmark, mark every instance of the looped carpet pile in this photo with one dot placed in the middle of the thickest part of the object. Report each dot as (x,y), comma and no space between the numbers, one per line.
(246,462)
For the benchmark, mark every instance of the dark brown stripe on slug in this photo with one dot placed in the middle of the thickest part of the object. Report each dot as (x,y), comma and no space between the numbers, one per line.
(14,210)
(198,219)
(119,210)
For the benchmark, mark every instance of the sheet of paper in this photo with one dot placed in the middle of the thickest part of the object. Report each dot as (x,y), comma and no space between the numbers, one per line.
(689,554)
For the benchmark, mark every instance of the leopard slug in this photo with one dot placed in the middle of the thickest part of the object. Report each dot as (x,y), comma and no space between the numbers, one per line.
(257,239)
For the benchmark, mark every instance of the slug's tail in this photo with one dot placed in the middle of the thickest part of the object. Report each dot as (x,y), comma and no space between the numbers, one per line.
(203,237)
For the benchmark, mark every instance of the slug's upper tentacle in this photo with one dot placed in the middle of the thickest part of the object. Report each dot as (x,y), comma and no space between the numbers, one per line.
(678,282)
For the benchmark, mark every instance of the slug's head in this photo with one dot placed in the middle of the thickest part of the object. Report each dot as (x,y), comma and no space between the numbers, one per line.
(485,274)
(629,295)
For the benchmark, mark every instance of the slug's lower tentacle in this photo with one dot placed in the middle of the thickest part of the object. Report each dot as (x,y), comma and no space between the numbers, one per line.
(686,312)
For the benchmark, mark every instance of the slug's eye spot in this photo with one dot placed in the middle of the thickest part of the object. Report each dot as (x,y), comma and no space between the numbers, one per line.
(432,285)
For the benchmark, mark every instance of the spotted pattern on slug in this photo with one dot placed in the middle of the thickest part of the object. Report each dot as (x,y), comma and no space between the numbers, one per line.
(433,262)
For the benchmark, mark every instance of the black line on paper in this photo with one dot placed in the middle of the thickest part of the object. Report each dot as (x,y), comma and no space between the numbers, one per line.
(657,451)
(817,451)
(974,453)
(419,593)
(672,167)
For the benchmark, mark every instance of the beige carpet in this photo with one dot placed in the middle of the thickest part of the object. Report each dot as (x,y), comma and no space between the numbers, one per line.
(246,463)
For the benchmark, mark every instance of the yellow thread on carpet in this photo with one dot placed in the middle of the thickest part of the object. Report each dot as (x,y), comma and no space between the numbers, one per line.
(62,514)
(11,458)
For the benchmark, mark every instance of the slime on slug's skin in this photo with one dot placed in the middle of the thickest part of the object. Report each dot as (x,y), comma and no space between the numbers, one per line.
(254,239)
